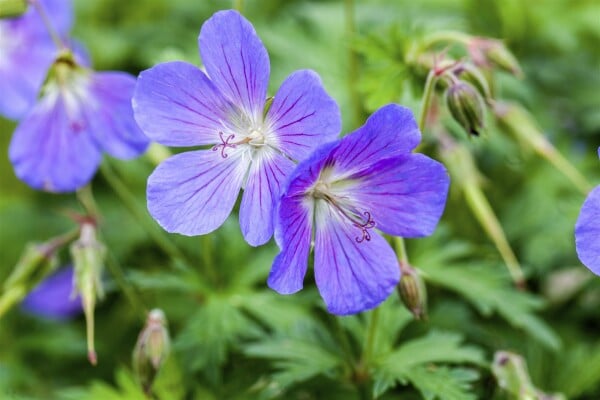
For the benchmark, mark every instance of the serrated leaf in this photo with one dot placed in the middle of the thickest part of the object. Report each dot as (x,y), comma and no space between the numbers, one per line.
(126,389)
(303,354)
(443,383)
(210,332)
(490,291)
(436,347)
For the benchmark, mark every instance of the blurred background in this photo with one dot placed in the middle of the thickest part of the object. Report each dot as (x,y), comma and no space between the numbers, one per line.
(223,318)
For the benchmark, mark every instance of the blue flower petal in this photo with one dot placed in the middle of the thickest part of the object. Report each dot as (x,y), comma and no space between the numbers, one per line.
(236,60)
(303,116)
(390,131)
(351,276)
(192,193)
(53,297)
(111,117)
(266,178)
(177,105)
(293,235)
(27,54)
(587,232)
(406,195)
(52,148)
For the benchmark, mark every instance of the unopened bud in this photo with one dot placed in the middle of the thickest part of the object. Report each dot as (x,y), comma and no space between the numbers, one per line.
(88,259)
(12,8)
(491,52)
(511,374)
(412,291)
(470,73)
(466,106)
(37,261)
(151,349)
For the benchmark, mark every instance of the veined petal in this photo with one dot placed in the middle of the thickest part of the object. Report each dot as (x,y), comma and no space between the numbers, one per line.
(176,104)
(60,13)
(390,131)
(24,61)
(293,235)
(405,195)
(303,116)
(587,232)
(192,193)
(266,178)
(52,148)
(236,60)
(351,276)
(111,116)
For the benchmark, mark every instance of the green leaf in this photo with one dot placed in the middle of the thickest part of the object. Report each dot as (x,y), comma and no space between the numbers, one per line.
(577,371)
(210,332)
(489,290)
(436,347)
(443,383)
(127,389)
(305,353)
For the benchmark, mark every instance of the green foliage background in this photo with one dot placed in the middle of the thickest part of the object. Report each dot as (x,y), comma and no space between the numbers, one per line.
(233,338)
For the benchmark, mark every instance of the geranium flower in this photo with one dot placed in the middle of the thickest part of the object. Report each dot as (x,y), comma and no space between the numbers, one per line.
(587,231)
(81,113)
(53,297)
(27,53)
(177,104)
(338,197)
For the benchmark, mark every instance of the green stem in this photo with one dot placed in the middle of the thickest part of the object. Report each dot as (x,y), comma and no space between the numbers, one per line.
(427,96)
(350,18)
(207,258)
(86,198)
(132,296)
(446,36)
(238,5)
(370,338)
(401,249)
(130,203)
(484,213)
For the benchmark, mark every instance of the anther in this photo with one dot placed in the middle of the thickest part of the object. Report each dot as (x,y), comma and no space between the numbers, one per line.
(364,227)
(224,144)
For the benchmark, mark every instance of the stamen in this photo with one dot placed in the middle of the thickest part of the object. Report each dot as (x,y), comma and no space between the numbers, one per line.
(363,223)
(224,144)
(364,228)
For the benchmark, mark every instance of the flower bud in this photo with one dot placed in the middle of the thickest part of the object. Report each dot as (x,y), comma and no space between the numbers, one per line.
(88,259)
(12,8)
(36,262)
(470,73)
(511,374)
(151,349)
(491,52)
(498,55)
(466,106)
(412,291)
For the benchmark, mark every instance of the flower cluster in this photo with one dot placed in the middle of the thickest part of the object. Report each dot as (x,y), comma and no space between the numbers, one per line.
(339,192)
(78,114)
(587,231)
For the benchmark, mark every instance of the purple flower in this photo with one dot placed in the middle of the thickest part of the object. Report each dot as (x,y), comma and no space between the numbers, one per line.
(53,297)
(81,113)
(338,197)
(27,51)
(587,231)
(177,104)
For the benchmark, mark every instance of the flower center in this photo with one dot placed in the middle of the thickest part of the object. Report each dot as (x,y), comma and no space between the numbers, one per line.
(359,219)
(255,138)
